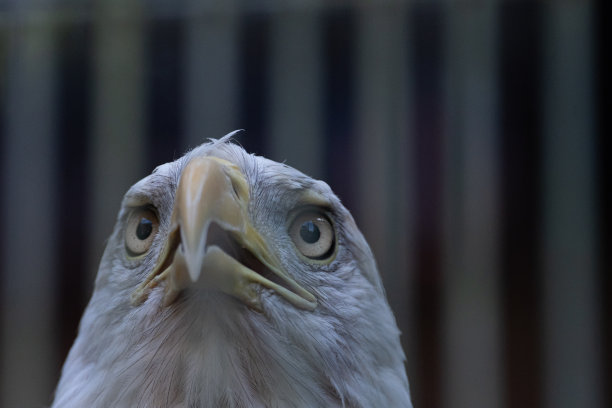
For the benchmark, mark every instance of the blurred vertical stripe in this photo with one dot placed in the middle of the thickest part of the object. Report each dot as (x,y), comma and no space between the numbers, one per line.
(427,25)
(73,106)
(382,152)
(164,78)
(296,134)
(4,80)
(472,358)
(520,115)
(29,345)
(210,71)
(571,314)
(602,90)
(118,148)
(338,31)
(254,81)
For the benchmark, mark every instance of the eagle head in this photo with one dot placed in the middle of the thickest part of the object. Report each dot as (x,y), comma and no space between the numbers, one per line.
(231,280)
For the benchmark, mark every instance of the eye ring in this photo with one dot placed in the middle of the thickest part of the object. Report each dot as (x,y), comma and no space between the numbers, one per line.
(141,229)
(313,235)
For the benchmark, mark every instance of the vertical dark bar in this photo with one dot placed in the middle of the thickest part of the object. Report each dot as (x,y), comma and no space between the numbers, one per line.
(604,172)
(164,90)
(520,115)
(338,103)
(254,81)
(73,130)
(428,25)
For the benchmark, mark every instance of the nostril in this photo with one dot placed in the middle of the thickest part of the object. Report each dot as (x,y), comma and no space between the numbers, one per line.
(235,188)
(239,185)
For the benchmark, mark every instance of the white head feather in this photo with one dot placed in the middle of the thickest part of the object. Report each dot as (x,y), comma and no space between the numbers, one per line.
(208,349)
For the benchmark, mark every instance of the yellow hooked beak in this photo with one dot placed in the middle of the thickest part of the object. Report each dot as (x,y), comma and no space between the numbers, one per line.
(212,242)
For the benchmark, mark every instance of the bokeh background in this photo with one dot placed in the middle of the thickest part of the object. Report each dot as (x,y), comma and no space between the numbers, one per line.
(468,137)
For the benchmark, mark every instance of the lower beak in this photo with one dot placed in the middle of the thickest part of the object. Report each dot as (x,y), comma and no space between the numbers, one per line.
(213,243)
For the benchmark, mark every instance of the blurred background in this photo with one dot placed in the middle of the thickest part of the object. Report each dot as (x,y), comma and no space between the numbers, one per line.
(467,137)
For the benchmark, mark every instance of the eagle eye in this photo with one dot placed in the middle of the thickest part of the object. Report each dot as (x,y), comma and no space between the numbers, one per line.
(313,235)
(141,229)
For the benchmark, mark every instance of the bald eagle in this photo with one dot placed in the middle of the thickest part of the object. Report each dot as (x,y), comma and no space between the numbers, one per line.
(231,280)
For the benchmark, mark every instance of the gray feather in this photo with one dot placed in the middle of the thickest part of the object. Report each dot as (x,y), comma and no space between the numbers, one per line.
(208,350)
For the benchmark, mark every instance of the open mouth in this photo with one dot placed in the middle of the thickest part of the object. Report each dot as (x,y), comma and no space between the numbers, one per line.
(212,241)
(234,270)
(217,236)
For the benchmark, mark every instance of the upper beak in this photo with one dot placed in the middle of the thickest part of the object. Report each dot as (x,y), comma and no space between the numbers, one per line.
(213,243)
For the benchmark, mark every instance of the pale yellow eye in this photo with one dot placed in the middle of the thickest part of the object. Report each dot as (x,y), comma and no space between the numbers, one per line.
(313,235)
(142,226)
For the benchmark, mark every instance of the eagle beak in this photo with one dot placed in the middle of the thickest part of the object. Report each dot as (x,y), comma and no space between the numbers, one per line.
(212,243)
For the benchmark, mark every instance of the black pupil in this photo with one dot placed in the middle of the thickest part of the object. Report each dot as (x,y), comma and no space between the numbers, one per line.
(310,232)
(145,227)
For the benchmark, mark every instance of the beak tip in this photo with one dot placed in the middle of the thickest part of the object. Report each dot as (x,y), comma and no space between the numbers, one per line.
(194,274)
(188,267)
(192,263)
